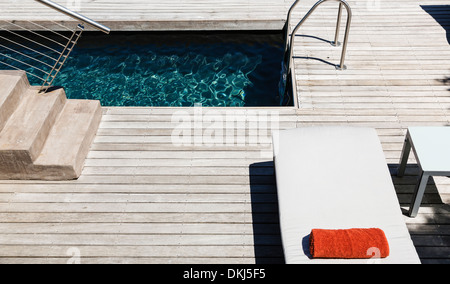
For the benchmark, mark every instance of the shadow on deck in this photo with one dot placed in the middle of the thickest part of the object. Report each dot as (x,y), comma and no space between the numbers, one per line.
(266,225)
(441,13)
(429,231)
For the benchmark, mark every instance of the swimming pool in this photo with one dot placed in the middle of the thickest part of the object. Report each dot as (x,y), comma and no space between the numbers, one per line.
(176,69)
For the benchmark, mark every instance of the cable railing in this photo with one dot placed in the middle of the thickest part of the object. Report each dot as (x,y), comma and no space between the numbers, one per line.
(39,50)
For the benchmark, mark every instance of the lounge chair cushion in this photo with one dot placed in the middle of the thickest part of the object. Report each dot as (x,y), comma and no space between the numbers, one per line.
(336,178)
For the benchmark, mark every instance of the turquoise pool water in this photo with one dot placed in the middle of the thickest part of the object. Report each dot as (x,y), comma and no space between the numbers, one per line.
(175,69)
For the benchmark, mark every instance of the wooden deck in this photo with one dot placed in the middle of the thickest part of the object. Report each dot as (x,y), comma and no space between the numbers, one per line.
(142,199)
(398,76)
(160,15)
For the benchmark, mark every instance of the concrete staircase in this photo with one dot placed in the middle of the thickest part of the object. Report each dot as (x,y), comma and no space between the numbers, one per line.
(43,136)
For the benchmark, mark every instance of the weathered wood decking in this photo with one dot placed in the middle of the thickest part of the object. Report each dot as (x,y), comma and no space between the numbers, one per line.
(398,76)
(143,199)
(160,15)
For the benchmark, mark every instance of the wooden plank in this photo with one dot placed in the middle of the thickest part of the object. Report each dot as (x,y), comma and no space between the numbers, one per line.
(241,251)
(136,217)
(134,239)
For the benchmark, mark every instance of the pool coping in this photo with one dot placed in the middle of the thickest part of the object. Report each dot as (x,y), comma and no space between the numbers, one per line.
(163,25)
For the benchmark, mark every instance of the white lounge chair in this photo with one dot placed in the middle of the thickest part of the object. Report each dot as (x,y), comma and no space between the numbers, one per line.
(336,178)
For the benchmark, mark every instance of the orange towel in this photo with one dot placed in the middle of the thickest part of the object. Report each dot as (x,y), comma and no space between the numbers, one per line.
(351,243)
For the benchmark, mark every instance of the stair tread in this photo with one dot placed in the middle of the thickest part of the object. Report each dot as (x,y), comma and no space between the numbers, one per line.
(7,84)
(24,126)
(12,86)
(69,134)
(43,136)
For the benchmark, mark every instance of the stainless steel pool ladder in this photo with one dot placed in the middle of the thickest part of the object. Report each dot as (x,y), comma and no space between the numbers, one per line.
(46,62)
(289,44)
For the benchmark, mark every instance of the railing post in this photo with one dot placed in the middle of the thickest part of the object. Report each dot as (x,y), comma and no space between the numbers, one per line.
(338,27)
(344,47)
(287,25)
(62,58)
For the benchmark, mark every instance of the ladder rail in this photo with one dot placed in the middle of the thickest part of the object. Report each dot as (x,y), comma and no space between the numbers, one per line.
(287,25)
(290,43)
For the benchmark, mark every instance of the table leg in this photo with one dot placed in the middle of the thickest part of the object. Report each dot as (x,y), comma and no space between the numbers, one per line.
(418,194)
(404,157)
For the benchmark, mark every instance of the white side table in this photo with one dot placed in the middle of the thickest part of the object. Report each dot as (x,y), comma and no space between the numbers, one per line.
(431,147)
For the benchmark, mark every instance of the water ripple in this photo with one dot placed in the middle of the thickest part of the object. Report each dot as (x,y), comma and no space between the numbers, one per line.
(151,75)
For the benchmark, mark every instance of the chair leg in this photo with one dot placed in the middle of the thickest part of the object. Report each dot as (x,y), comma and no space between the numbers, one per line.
(404,157)
(418,194)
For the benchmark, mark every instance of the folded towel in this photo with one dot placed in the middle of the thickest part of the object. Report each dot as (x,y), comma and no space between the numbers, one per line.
(351,243)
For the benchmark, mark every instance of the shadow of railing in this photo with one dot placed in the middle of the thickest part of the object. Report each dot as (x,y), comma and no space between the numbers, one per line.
(266,226)
(315,37)
(316,58)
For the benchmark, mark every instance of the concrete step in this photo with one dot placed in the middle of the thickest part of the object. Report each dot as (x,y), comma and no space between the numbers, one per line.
(66,148)
(13,85)
(27,129)
(43,136)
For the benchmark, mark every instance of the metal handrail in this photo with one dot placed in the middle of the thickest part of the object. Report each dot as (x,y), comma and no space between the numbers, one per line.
(62,58)
(42,54)
(288,25)
(75,15)
(289,48)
